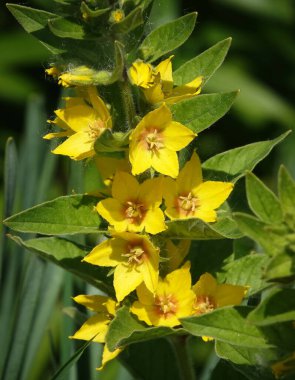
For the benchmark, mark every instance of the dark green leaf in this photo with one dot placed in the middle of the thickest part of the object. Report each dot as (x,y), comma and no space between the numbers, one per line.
(126,329)
(262,201)
(64,28)
(68,255)
(30,19)
(228,324)
(72,214)
(85,10)
(271,240)
(200,112)
(167,37)
(277,307)
(243,355)
(247,271)
(286,191)
(203,65)
(233,164)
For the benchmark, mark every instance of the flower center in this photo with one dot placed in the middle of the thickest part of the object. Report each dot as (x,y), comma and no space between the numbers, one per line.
(154,140)
(188,203)
(166,305)
(135,255)
(95,129)
(134,212)
(203,304)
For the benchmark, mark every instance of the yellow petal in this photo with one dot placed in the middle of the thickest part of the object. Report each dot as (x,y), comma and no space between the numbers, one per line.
(154,94)
(54,135)
(150,268)
(227,294)
(177,136)
(158,117)
(145,296)
(99,105)
(77,146)
(190,175)
(165,70)
(170,191)
(192,88)
(112,210)
(125,187)
(166,162)
(94,326)
(205,214)
(77,118)
(102,254)
(143,312)
(126,279)
(176,253)
(108,355)
(140,158)
(212,194)
(205,286)
(150,192)
(93,302)
(154,221)
(141,74)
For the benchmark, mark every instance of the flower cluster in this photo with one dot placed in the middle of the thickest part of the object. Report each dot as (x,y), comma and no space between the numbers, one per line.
(145,190)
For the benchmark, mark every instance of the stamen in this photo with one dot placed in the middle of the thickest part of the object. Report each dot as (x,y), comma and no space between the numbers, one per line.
(166,305)
(135,255)
(204,304)
(95,129)
(134,212)
(187,204)
(154,140)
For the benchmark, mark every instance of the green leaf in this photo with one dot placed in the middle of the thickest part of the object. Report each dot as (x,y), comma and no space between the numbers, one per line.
(71,214)
(162,363)
(130,22)
(68,255)
(281,266)
(233,164)
(200,112)
(262,201)
(60,374)
(203,65)
(30,19)
(126,329)
(276,307)
(247,271)
(271,240)
(244,355)
(167,37)
(65,28)
(85,10)
(110,141)
(286,187)
(228,324)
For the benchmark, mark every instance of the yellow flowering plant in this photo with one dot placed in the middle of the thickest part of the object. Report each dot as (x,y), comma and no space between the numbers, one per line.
(160,218)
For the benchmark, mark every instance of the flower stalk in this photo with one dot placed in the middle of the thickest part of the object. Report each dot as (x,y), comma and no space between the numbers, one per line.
(180,347)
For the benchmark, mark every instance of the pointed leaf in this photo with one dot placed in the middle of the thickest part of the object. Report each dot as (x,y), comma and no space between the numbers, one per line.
(233,164)
(64,28)
(262,200)
(30,19)
(286,191)
(68,255)
(126,329)
(200,112)
(130,22)
(281,266)
(228,324)
(247,271)
(71,214)
(85,10)
(167,37)
(203,65)
(277,307)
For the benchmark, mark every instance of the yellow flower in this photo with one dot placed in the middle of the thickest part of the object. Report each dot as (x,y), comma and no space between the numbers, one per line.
(173,299)
(81,75)
(155,141)
(53,71)
(134,207)
(176,253)
(157,83)
(284,367)
(97,325)
(82,124)
(136,260)
(209,295)
(107,167)
(189,197)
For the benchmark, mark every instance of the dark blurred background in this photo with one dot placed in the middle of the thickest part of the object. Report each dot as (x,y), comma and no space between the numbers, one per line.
(260,63)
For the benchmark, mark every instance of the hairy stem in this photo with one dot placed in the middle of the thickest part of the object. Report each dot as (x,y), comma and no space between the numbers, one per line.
(128,103)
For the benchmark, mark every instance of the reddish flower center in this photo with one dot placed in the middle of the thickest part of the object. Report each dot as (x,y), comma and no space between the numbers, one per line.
(166,305)
(203,304)
(187,204)
(135,254)
(134,212)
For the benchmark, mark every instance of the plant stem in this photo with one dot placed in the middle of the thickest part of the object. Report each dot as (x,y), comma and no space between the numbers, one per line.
(185,365)
(127,102)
